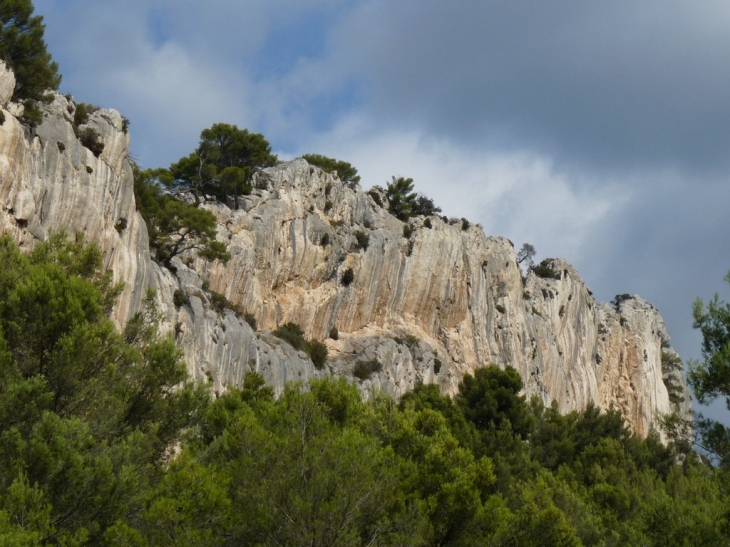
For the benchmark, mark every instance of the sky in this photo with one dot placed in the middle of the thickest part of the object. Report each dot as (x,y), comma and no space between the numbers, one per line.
(599,132)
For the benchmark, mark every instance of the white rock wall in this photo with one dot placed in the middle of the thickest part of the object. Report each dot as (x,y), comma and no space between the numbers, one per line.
(430,307)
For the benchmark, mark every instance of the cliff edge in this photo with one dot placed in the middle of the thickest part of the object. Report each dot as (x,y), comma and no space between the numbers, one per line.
(428,303)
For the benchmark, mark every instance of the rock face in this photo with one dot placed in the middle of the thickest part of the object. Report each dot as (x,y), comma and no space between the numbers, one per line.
(429,302)
(7,84)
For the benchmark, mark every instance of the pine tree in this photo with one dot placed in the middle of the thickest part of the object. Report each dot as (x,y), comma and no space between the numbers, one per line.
(23,49)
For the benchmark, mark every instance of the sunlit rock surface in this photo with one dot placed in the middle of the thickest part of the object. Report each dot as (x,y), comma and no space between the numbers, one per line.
(428,307)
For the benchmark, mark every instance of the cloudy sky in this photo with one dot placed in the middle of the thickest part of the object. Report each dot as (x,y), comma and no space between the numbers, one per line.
(597,131)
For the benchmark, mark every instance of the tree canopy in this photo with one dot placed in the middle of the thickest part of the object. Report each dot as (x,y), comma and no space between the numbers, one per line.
(404,203)
(346,172)
(223,164)
(104,441)
(23,48)
(86,413)
(710,377)
(526,254)
(175,227)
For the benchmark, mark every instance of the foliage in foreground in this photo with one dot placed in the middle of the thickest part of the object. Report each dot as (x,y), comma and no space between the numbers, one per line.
(104,442)
(710,378)
(87,415)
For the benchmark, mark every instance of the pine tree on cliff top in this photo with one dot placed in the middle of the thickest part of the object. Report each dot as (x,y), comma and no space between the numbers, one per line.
(23,49)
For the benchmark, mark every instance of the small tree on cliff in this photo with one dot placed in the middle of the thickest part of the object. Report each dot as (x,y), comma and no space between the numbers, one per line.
(23,49)
(405,203)
(346,172)
(526,254)
(223,164)
(173,226)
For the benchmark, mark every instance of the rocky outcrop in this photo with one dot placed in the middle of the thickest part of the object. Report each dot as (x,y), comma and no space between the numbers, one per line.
(428,302)
(7,84)
(50,182)
(431,300)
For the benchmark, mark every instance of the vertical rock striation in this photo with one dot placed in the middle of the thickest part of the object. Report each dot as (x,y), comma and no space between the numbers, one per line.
(429,303)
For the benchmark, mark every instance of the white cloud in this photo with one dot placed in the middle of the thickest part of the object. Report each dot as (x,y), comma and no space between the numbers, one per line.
(171,97)
(518,195)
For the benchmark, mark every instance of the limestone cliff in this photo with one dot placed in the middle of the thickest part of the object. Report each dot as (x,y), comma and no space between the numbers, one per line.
(429,302)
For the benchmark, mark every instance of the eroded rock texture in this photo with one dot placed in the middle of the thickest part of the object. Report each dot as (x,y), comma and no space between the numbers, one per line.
(429,302)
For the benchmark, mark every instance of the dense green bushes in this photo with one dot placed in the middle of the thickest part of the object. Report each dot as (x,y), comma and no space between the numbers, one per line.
(87,415)
(104,442)
(431,470)
(293,333)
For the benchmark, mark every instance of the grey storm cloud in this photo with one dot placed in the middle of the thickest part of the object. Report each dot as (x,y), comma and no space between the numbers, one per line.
(610,84)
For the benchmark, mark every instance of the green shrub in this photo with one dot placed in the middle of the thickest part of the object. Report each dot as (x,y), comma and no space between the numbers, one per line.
(82,113)
(292,333)
(345,171)
(407,231)
(32,114)
(334,333)
(317,351)
(545,271)
(179,298)
(348,277)
(376,197)
(411,341)
(91,140)
(220,303)
(671,373)
(89,169)
(427,223)
(250,319)
(424,206)
(121,225)
(365,369)
(361,240)
(465,224)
